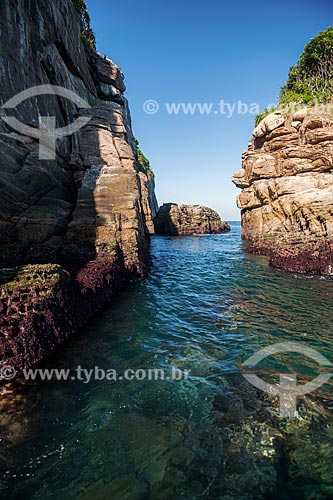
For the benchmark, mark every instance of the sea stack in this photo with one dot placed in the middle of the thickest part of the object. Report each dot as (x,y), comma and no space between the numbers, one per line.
(184,220)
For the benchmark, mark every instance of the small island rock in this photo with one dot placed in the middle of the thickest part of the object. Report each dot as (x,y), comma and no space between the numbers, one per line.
(182,220)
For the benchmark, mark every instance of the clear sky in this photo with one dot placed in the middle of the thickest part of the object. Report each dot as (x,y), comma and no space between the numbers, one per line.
(190,51)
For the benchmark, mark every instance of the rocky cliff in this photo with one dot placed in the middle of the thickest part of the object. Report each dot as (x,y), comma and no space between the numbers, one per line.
(287,190)
(75,228)
(182,220)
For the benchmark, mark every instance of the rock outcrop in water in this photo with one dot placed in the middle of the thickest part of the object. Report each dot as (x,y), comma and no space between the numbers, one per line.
(73,229)
(181,220)
(287,191)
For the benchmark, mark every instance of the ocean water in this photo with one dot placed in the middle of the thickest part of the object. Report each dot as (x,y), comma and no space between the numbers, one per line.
(205,308)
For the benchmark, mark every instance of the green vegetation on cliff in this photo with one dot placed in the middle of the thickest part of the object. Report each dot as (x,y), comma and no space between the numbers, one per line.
(310,81)
(87,33)
(143,162)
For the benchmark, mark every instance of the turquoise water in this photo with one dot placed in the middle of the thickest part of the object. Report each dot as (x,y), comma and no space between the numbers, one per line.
(205,307)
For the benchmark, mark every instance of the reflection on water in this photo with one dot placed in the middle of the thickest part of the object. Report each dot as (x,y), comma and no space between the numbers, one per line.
(205,307)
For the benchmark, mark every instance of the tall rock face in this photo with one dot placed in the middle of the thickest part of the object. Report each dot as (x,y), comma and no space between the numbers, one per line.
(287,190)
(184,220)
(75,228)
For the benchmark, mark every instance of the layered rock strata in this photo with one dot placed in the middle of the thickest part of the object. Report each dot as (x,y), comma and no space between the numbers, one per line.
(76,228)
(182,220)
(287,190)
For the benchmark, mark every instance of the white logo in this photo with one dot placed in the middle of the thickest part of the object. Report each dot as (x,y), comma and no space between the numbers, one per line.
(287,390)
(151,107)
(47,133)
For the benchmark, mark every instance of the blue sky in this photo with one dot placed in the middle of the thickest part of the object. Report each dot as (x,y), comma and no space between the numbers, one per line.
(188,51)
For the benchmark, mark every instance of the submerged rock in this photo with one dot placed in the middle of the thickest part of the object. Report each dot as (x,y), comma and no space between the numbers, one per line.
(181,220)
(267,456)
